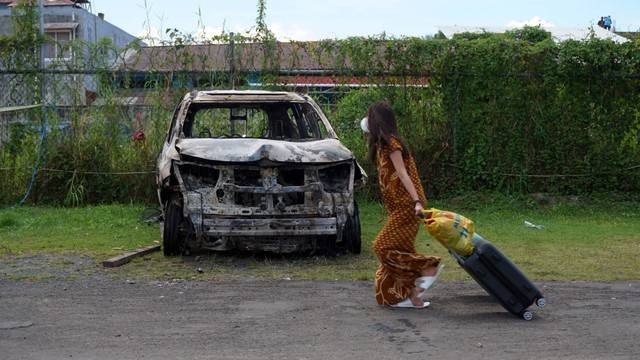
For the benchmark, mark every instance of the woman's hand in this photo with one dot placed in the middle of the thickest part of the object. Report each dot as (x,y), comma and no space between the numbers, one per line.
(418,208)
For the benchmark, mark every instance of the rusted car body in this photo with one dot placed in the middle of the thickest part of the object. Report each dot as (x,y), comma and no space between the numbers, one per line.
(257,171)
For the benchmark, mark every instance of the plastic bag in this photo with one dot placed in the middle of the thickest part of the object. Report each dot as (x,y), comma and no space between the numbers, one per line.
(452,230)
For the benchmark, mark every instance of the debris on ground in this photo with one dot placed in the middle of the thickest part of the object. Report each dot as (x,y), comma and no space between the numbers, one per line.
(126,257)
(10,325)
(532,225)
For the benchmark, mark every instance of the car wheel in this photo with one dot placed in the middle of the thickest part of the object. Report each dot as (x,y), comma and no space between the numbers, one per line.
(351,233)
(172,237)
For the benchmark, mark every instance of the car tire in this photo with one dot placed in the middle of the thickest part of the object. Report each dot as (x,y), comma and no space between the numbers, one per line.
(172,237)
(351,233)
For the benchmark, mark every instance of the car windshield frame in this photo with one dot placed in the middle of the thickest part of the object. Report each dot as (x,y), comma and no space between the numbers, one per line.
(284,120)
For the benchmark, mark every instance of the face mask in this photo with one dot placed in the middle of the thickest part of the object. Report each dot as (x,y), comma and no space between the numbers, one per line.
(364,124)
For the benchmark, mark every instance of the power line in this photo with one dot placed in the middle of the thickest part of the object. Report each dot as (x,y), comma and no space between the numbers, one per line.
(613,172)
(83,172)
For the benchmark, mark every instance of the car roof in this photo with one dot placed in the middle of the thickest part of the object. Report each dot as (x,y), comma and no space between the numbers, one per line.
(255,96)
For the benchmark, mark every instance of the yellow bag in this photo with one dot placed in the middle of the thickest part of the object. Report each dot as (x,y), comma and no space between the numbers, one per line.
(452,230)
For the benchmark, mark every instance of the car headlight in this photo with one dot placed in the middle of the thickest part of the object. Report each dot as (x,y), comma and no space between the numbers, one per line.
(335,178)
(196,177)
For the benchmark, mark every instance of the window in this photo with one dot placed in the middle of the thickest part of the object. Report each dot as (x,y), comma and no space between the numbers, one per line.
(173,122)
(227,122)
(281,121)
(58,46)
(313,121)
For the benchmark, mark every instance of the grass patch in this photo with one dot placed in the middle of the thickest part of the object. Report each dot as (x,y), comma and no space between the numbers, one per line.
(8,220)
(596,238)
(95,231)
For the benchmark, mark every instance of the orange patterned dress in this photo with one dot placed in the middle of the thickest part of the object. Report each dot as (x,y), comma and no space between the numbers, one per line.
(394,246)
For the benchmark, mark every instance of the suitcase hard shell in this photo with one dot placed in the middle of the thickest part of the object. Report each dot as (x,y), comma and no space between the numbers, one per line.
(501,278)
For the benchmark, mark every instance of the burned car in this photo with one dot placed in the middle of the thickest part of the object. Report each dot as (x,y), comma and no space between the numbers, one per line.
(256,171)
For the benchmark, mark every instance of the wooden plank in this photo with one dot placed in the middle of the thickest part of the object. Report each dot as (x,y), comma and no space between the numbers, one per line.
(126,257)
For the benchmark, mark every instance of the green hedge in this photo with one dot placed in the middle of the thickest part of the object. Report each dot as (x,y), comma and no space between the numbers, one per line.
(513,112)
(543,109)
(516,112)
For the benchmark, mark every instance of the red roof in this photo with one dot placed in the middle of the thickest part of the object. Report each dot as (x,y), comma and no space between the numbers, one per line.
(353,81)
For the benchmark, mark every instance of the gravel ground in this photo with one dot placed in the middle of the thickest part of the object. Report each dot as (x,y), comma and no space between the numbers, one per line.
(98,317)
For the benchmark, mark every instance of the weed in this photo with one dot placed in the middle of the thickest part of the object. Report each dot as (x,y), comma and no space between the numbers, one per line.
(8,220)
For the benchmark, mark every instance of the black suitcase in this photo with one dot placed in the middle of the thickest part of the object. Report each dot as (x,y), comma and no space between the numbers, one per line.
(501,278)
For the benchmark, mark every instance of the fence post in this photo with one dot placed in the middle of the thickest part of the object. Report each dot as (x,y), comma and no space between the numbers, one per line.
(232,61)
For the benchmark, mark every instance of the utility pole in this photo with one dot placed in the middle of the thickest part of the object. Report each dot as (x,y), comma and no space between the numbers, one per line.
(42,50)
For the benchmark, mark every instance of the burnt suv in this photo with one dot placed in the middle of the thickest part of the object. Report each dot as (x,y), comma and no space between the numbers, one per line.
(256,171)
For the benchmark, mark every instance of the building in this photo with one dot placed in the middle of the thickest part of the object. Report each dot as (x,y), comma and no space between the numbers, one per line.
(65,21)
(557,33)
(307,67)
(631,35)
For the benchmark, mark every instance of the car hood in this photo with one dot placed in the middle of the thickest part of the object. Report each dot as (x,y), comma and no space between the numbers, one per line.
(251,150)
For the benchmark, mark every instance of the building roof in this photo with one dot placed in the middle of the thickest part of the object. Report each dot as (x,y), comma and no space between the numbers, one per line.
(559,34)
(307,56)
(329,81)
(631,35)
(49,2)
(301,64)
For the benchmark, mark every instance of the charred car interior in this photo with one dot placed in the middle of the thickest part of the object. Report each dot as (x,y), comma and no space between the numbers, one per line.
(256,171)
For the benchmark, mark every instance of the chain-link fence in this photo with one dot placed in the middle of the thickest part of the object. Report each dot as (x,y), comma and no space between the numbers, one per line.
(533,116)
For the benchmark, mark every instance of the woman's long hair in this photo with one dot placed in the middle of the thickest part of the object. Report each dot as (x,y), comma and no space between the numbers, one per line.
(382,127)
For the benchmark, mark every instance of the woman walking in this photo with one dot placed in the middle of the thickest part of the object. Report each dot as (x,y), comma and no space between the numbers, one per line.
(403,275)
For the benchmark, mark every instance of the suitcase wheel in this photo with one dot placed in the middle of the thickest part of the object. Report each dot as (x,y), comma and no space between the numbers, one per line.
(527,315)
(541,302)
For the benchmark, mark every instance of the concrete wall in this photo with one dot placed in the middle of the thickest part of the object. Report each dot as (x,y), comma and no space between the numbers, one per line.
(104,29)
(91,28)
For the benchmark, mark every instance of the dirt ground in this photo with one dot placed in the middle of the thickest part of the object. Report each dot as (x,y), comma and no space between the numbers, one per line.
(98,317)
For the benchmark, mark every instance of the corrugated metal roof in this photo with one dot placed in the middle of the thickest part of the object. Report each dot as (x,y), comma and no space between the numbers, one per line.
(302,56)
(49,2)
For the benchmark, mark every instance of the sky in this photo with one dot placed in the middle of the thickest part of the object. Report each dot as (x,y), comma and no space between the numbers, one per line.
(314,20)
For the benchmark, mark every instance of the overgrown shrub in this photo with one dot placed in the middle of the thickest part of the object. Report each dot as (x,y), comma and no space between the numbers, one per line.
(513,112)
(542,116)
(420,121)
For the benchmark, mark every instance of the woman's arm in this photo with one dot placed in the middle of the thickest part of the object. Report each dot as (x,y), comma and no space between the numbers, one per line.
(398,164)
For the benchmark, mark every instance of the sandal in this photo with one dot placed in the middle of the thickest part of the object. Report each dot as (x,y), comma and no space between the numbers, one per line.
(406,303)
